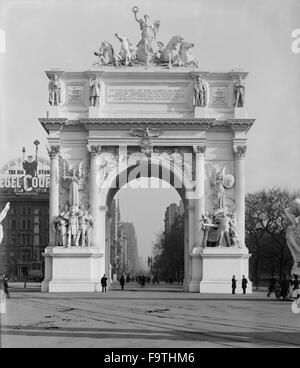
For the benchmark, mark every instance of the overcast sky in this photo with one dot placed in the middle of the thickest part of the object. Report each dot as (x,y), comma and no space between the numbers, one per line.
(251,34)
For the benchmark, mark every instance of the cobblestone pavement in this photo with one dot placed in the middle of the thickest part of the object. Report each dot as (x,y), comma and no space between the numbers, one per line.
(154,317)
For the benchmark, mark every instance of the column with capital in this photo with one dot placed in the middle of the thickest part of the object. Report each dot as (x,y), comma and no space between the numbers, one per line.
(94,151)
(53,152)
(239,152)
(199,193)
(195,216)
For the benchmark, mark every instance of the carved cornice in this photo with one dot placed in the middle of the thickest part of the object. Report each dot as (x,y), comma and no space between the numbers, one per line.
(240,150)
(94,150)
(51,73)
(53,151)
(168,123)
(240,124)
(53,123)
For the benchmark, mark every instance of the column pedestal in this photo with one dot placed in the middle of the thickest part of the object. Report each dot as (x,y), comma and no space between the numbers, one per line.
(74,269)
(219,265)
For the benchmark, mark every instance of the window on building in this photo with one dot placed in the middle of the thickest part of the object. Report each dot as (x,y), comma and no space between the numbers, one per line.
(23,226)
(28,224)
(28,211)
(13,224)
(23,211)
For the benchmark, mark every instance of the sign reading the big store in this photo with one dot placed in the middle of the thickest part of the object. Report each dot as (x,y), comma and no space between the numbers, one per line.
(26,175)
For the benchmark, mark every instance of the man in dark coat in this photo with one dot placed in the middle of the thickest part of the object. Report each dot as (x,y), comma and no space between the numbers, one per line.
(244,284)
(233,284)
(284,287)
(5,285)
(122,282)
(273,282)
(104,283)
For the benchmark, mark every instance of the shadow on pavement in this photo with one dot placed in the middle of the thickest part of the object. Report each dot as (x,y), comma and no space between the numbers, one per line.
(257,338)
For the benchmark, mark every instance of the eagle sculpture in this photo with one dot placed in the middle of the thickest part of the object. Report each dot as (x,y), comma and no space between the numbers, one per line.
(145,132)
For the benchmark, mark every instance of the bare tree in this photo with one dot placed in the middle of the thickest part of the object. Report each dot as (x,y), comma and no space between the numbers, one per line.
(265,229)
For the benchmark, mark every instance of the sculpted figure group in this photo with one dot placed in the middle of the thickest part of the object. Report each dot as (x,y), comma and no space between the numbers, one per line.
(220,226)
(73,227)
(220,229)
(175,53)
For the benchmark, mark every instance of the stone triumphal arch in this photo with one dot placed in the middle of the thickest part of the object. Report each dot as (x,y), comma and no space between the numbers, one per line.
(141,113)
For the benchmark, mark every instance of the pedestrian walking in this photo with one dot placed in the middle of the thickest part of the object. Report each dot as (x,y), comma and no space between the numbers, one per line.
(272,285)
(296,282)
(277,289)
(284,288)
(233,284)
(104,283)
(244,284)
(122,282)
(5,285)
(143,281)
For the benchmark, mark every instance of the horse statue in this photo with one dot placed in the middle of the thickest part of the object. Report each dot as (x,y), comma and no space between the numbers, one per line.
(170,54)
(186,58)
(106,54)
(127,53)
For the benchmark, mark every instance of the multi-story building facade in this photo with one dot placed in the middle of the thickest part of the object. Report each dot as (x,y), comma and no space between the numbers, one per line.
(25,184)
(123,244)
(172,212)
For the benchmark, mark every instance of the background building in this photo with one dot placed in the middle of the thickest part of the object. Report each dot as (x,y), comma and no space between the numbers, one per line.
(24,182)
(172,212)
(123,248)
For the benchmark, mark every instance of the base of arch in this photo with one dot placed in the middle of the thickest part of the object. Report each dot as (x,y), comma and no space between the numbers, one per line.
(74,269)
(219,266)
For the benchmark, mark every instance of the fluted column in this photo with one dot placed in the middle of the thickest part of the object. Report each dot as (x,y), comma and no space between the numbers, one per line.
(53,152)
(199,193)
(239,152)
(94,195)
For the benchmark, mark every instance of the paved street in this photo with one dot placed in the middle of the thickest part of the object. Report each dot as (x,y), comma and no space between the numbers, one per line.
(153,317)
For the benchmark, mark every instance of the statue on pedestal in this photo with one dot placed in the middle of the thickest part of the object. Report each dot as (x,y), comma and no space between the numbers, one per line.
(149,30)
(2,217)
(220,229)
(73,226)
(220,189)
(239,93)
(60,225)
(54,91)
(89,223)
(95,89)
(81,228)
(200,97)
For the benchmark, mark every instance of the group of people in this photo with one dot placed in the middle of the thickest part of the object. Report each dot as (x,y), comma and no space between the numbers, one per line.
(234,283)
(103,282)
(284,288)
